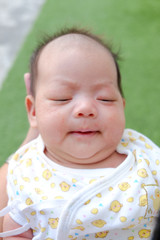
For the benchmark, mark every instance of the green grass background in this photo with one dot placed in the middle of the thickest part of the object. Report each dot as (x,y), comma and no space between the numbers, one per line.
(132,26)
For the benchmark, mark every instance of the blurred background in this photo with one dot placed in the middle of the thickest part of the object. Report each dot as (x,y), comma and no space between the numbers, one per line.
(133,27)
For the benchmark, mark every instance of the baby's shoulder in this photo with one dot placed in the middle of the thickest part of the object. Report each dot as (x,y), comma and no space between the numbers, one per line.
(24,156)
(134,138)
(141,147)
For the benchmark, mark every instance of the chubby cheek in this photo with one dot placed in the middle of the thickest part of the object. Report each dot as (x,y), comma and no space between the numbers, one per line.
(115,125)
(118,119)
(51,125)
(59,126)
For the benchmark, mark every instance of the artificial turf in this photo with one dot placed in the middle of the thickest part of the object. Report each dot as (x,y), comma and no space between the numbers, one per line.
(132,26)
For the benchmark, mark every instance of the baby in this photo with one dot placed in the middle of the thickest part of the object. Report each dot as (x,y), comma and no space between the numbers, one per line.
(85,177)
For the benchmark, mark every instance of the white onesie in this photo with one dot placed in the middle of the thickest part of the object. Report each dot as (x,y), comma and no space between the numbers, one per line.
(60,203)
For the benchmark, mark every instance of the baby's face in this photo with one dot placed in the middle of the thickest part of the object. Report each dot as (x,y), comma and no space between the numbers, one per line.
(79,109)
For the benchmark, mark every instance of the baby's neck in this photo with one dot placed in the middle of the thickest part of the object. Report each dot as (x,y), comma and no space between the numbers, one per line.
(113,161)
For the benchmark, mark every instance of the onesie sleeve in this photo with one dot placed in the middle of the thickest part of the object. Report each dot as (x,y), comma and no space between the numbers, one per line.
(15,203)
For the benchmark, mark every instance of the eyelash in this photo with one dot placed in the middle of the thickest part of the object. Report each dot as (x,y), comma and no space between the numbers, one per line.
(69,99)
(106,100)
(61,100)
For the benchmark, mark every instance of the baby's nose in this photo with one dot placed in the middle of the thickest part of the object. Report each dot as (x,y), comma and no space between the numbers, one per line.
(85,109)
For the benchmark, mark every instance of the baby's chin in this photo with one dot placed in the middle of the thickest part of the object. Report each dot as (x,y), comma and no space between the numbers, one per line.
(73,159)
(82,156)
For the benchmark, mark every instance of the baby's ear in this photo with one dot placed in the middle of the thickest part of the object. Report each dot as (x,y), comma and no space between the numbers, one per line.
(30,107)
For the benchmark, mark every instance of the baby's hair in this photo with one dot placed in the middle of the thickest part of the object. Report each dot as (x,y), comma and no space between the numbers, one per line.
(74,30)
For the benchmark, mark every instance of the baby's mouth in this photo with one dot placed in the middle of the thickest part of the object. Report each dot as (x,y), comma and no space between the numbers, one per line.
(84,132)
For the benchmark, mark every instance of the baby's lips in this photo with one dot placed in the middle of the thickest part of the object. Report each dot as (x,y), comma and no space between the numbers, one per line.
(85,132)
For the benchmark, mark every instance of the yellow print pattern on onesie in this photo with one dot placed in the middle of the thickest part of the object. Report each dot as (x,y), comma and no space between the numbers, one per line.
(134,195)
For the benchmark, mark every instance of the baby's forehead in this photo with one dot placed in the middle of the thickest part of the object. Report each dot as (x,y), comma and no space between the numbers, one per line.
(73,41)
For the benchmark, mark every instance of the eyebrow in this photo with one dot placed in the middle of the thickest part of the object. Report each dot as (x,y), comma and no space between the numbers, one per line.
(65,81)
(68,81)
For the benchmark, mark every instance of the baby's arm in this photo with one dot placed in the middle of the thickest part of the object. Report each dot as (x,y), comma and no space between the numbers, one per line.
(9,224)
